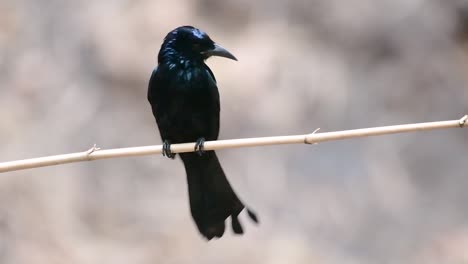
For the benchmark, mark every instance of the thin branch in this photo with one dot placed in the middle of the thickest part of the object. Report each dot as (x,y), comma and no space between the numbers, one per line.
(95,153)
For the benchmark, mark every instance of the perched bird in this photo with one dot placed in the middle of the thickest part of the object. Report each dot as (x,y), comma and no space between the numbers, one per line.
(184,98)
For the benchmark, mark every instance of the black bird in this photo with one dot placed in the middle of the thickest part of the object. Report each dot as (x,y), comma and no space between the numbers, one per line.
(184,98)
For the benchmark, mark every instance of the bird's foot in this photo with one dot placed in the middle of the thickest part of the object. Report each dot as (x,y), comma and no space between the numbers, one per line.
(199,146)
(166,150)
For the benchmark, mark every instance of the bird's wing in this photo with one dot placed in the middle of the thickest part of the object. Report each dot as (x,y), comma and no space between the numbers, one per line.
(151,86)
(154,94)
(211,73)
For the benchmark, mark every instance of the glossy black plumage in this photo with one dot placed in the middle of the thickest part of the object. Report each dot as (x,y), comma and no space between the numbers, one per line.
(185,101)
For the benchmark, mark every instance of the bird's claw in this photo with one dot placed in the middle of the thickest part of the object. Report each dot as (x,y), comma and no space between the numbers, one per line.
(166,150)
(199,146)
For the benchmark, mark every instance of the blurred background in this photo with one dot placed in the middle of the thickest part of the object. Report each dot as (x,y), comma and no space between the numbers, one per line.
(75,73)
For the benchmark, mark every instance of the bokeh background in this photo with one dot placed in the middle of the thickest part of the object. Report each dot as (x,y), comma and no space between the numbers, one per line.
(75,73)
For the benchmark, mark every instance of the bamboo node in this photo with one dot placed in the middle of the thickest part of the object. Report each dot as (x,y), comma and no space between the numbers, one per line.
(462,121)
(91,150)
(306,137)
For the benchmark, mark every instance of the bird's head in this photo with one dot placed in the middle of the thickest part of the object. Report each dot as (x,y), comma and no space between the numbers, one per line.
(191,43)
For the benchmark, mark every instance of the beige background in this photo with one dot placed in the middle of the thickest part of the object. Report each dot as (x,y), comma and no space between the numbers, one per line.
(75,73)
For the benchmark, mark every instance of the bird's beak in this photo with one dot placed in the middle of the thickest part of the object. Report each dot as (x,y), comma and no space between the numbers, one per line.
(219,51)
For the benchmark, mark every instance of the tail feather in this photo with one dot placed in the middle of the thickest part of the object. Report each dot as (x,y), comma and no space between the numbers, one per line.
(236,226)
(252,215)
(212,199)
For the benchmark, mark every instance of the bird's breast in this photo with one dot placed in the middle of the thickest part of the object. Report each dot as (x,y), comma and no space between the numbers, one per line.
(190,78)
